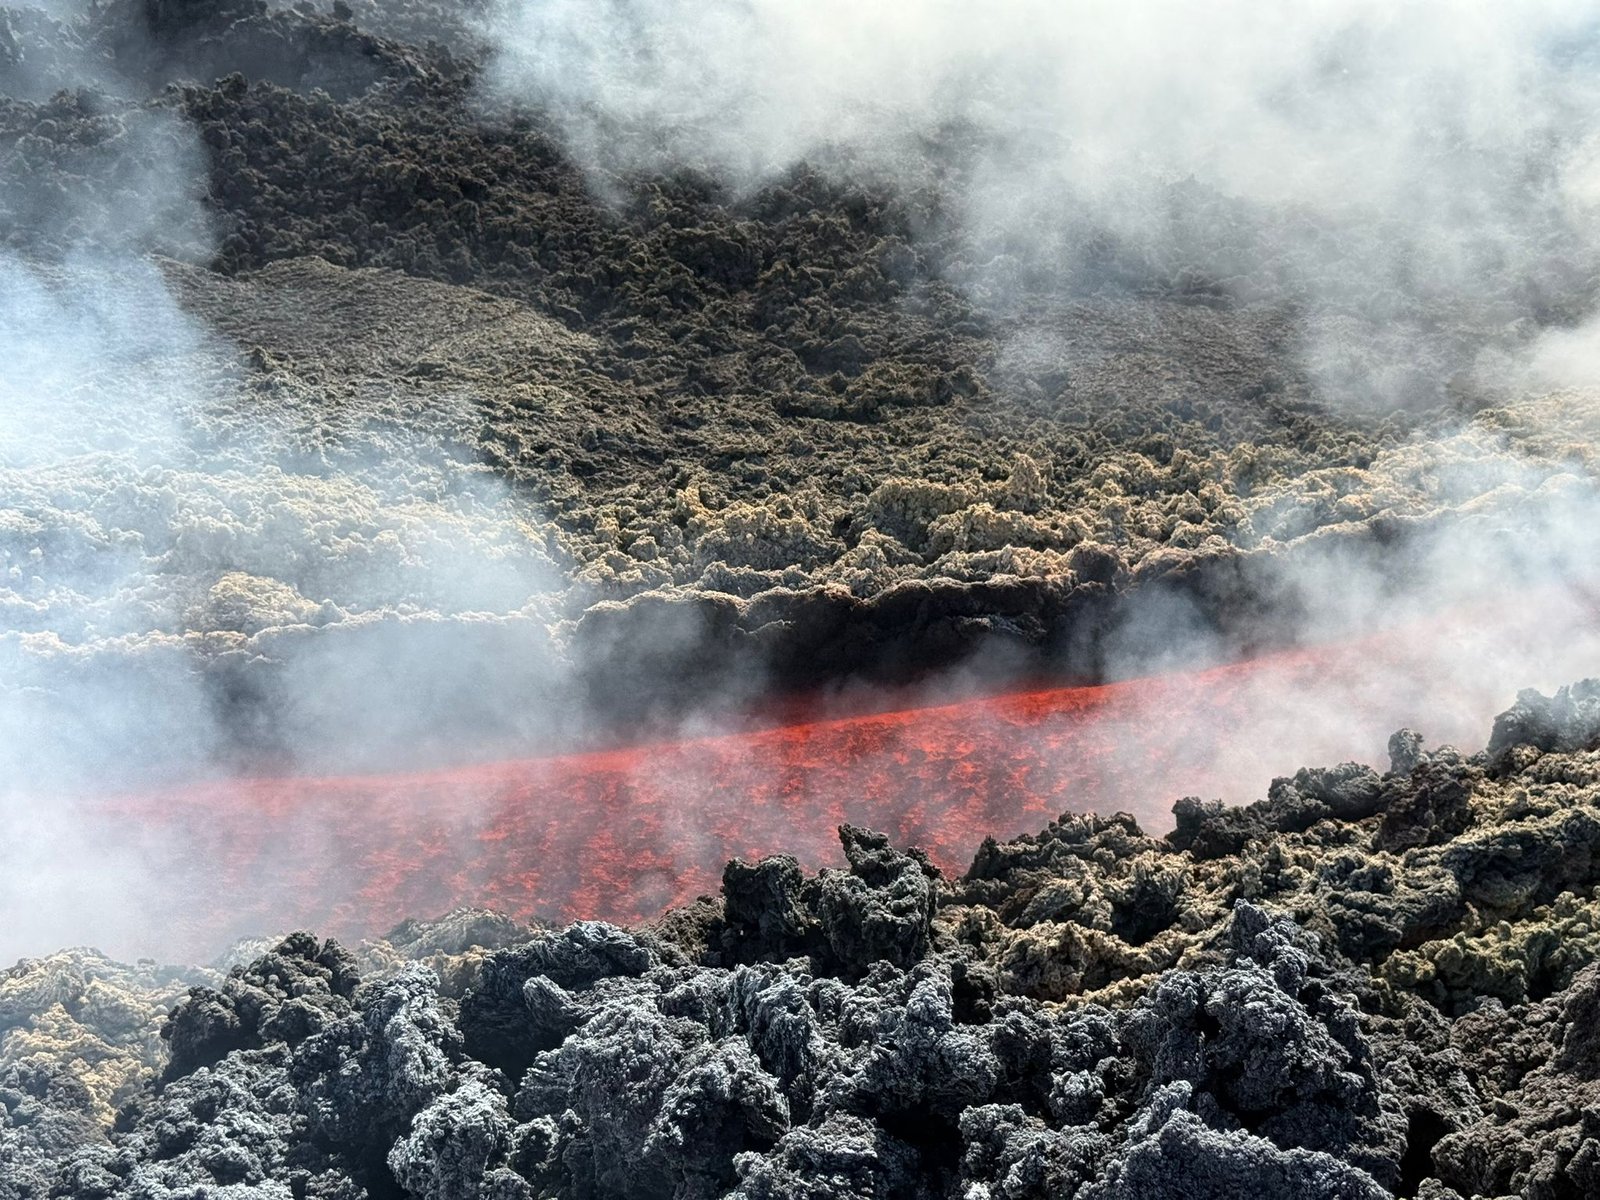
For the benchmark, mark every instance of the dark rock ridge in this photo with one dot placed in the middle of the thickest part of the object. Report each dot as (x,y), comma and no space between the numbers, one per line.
(1362,986)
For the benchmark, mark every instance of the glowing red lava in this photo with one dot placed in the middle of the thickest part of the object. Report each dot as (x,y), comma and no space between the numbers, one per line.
(623,834)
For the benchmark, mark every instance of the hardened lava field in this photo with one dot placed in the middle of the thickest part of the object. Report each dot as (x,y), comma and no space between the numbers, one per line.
(822,539)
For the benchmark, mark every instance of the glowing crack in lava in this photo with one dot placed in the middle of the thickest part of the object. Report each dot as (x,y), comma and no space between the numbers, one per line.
(623,834)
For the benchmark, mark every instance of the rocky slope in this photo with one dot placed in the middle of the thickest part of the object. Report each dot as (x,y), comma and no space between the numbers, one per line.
(1364,985)
(670,441)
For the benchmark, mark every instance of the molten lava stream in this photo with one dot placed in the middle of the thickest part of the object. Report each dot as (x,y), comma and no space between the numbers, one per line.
(623,834)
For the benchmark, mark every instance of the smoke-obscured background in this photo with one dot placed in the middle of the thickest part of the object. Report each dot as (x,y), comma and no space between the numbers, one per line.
(171,513)
(1412,188)
(1416,183)
(1430,164)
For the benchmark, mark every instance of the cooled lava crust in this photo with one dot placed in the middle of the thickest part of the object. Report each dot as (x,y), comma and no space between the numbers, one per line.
(1366,985)
(452,423)
(736,443)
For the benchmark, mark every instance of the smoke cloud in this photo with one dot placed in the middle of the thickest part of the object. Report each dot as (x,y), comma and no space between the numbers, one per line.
(1375,156)
(214,560)
(190,547)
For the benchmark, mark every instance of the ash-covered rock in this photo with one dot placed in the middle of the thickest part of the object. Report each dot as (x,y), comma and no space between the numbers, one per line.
(1567,721)
(1312,1010)
(282,996)
(881,909)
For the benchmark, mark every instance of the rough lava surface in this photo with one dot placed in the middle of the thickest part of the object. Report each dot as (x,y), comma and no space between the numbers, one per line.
(350,386)
(1366,985)
(646,445)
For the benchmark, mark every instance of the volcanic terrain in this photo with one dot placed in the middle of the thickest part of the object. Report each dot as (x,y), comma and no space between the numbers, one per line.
(795,612)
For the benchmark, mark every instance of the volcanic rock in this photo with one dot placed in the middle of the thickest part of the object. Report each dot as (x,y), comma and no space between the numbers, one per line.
(1089,1012)
(362,384)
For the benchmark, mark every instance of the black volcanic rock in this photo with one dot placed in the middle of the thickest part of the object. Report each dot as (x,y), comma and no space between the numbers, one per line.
(1088,1013)
(1567,721)
(1539,1137)
(766,910)
(285,996)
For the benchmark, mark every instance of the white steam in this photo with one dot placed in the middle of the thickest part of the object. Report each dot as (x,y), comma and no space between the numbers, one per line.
(209,563)
(171,532)
(1348,147)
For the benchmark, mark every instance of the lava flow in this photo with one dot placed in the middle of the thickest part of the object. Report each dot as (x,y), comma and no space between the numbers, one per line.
(623,834)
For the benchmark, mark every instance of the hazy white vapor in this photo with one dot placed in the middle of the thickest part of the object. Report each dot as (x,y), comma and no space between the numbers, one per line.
(1443,138)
